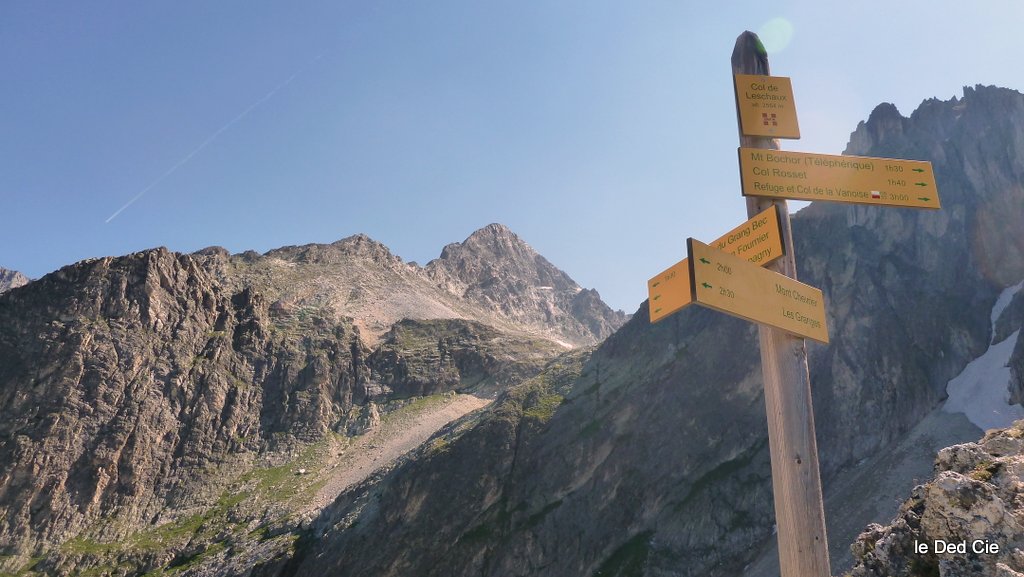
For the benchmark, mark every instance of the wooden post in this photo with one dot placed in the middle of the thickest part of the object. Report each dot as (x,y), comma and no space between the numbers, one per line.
(796,479)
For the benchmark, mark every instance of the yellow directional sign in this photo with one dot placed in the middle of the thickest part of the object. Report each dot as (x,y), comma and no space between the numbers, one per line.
(759,240)
(858,179)
(735,286)
(766,106)
(669,291)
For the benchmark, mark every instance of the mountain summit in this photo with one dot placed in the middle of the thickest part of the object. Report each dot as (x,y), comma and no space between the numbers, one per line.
(492,277)
(496,269)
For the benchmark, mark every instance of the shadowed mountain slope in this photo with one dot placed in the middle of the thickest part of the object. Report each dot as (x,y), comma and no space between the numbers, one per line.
(655,460)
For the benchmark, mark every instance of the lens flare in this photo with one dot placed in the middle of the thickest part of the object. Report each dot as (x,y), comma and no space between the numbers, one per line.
(775,34)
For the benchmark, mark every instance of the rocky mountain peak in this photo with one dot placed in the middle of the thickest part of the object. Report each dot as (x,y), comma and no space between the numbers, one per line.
(496,236)
(497,269)
(495,228)
(884,123)
(360,243)
(494,252)
(364,247)
(11,279)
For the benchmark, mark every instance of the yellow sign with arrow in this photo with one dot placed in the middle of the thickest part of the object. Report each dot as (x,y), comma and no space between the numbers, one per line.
(857,179)
(735,286)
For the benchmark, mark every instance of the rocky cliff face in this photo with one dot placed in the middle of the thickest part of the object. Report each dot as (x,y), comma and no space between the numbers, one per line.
(126,384)
(153,406)
(11,279)
(974,502)
(926,280)
(655,460)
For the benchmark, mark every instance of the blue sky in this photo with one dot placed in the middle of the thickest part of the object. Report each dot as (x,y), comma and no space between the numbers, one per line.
(603,133)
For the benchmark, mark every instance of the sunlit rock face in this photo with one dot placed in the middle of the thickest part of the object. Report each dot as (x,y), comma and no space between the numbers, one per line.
(966,522)
(11,279)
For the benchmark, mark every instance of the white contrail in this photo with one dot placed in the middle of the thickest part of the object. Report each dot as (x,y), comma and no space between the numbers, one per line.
(210,139)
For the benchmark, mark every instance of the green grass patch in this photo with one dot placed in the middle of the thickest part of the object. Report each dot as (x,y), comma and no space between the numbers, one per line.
(83,546)
(172,533)
(282,484)
(438,446)
(277,485)
(984,471)
(400,409)
(182,565)
(544,408)
(26,570)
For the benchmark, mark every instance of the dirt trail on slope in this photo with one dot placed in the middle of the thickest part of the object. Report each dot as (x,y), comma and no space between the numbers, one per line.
(352,461)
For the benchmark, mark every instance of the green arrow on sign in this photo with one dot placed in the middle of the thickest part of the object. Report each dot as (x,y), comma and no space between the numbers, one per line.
(706,285)
(656,297)
(917,169)
(657,310)
(924,198)
(704,260)
(921,183)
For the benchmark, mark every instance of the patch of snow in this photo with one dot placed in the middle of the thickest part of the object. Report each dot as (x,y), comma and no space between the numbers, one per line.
(981,391)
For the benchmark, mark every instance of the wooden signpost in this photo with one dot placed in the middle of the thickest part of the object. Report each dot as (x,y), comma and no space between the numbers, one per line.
(751,273)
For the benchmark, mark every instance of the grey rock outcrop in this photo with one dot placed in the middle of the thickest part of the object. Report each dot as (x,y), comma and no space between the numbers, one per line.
(974,502)
(11,279)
